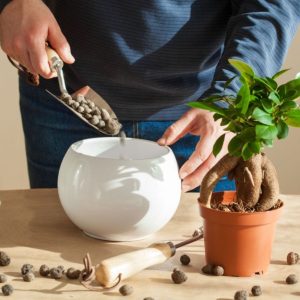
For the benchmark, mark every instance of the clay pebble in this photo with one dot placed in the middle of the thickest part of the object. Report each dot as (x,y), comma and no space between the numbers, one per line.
(56,273)
(27,268)
(4,259)
(292,258)
(291,279)
(126,290)
(217,271)
(207,269)
(44,270)
(185,259)
(178,276)
(95,120)
(3,278)
(7,290)
(256,290)
(241,295)
(72,273)
(98,117)
(28,277)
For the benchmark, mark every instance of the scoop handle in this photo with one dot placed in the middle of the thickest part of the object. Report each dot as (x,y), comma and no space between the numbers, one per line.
(110,271)
(54,59)
(56,65)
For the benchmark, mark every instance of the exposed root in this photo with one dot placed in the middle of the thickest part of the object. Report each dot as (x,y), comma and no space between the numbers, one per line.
(248,173)
(269,186)
(248,178)
(223,166)
(257,187)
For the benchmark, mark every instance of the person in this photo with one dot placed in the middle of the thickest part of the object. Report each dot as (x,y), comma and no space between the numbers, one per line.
(148,59)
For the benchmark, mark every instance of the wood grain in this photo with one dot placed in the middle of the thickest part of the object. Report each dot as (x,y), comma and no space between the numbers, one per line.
(34,229)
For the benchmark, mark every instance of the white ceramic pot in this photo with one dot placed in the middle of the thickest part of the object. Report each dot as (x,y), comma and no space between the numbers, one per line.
(119,192)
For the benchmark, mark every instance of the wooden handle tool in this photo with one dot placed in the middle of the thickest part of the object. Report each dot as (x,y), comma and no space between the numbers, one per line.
(112,270)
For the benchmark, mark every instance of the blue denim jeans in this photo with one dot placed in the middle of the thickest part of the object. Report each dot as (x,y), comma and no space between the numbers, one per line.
(50,128)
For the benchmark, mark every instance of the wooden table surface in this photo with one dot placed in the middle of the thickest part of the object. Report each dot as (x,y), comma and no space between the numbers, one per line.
(34,229)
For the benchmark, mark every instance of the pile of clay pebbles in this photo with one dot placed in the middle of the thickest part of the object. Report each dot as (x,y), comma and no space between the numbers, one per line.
(96,116)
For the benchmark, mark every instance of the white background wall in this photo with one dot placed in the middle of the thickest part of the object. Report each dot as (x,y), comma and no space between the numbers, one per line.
(13,173)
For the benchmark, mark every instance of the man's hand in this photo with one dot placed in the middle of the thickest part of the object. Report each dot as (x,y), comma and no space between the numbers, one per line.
(25,27)
(197,122)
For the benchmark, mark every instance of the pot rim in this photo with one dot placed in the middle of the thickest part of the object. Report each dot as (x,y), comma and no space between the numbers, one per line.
(74,148)
(239,218)
(239,212)
(232,194)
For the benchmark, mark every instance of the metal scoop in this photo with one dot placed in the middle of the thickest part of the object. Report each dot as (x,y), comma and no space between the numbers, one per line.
(111,124)
(56,65)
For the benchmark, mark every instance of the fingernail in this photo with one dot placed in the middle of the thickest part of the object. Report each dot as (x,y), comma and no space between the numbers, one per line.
(162,141)
(69,54)
(71,57)
(183,175)
(185,188)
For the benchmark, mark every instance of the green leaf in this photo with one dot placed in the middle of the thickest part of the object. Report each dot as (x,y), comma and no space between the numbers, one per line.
(243,97)
(218,145)
(217,117)
(263,82)
(293,117)
(262,117)
(283,130)
(274,97)
(297,76)
(232,127)
(246,152)
(287,105)
(279,73)
(212,98)
(241,66)
(254,146)
(227,83)
(224,122)
(271,83)
(268,143)
(248,134)
(207,106)
(267,105)
(235,146)
(266,132)
(285,89)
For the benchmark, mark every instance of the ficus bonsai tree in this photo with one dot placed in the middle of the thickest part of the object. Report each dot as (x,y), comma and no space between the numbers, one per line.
(260,112)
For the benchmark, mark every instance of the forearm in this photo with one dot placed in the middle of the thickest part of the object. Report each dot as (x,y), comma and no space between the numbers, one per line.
(259,33)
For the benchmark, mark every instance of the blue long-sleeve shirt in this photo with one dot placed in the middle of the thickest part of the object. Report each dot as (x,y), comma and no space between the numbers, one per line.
(149,58)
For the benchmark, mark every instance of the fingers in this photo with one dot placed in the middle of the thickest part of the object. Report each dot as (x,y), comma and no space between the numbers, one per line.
(176,131)
(194,179)
(28,63)
(24,59)
(39,59)
(24,30)
(59,43)
(201,153)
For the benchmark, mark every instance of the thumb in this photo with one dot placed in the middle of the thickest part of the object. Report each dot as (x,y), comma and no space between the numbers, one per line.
(59,43)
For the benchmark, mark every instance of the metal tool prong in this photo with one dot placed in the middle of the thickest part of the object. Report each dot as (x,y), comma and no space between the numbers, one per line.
(57,66)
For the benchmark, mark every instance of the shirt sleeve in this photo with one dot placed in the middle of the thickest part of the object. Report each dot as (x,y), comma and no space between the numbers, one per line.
(259,32)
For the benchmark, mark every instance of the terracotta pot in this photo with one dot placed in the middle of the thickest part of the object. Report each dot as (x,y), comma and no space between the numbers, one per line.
(239,242)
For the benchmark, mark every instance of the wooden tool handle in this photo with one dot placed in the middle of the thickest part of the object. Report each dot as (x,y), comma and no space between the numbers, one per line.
(128,264)
(53,58)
